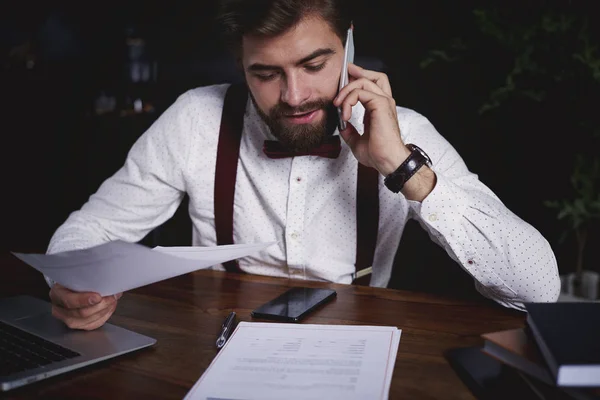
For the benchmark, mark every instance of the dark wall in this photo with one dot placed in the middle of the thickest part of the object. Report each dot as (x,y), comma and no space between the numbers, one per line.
(56,152)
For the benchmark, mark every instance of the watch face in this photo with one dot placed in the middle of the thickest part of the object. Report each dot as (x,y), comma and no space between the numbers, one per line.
(420,150)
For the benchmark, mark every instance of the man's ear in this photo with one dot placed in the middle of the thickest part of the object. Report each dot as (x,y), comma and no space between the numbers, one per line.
(239,64)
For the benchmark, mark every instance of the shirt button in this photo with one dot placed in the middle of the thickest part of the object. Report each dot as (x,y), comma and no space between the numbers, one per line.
(299,179)
(433,217)
(295,235)
(471,262)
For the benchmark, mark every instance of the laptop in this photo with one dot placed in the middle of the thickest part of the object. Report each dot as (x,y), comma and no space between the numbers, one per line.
(34,345)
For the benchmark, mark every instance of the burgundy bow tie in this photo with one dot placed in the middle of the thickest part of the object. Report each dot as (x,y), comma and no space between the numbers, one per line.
(330,148)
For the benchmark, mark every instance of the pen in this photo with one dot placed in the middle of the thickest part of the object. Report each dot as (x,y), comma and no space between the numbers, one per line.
(226,329)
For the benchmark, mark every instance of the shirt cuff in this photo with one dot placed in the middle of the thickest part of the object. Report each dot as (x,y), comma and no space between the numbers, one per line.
(444,206)
(442,212)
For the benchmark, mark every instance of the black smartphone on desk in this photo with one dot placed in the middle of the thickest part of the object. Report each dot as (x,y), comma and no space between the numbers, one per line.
(294,304)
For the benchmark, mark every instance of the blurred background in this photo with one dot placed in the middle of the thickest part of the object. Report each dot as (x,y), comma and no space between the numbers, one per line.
(514,88)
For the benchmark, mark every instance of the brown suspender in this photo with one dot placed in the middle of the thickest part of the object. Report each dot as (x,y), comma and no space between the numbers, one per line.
(367,219)
(228,151)
(230,134)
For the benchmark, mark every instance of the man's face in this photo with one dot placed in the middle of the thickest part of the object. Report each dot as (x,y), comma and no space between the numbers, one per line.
(293,79)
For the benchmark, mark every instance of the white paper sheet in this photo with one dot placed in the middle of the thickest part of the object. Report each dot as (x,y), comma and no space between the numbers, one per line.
(301,361)
(119,266)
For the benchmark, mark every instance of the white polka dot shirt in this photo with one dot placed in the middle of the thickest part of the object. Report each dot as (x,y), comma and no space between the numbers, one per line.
(308,205)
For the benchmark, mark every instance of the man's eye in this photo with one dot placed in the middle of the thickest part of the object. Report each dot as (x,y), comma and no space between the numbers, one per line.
(314,68)
(266,77)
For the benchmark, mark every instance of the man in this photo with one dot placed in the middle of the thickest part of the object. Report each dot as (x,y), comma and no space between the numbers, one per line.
(291,53)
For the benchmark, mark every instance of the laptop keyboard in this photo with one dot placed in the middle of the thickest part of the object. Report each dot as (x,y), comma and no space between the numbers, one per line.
(21,351)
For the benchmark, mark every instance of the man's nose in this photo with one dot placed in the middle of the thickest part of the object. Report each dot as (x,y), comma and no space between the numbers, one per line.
(294,92)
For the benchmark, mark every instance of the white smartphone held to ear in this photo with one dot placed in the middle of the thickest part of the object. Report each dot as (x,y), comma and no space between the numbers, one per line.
(344,78)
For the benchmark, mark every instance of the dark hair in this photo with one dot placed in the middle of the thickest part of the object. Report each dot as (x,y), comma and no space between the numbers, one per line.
(238,18)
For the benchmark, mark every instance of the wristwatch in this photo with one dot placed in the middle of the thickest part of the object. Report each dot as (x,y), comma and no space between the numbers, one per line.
(417,158)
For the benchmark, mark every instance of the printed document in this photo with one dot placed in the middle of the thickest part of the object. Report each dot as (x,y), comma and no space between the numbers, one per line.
(301,361)
(118,266)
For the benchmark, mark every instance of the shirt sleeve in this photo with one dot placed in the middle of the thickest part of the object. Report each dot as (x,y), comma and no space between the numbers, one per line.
(142,194)
(509,259)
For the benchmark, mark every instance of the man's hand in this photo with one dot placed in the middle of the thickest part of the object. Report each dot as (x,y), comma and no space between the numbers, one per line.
(380,146)
(81,310)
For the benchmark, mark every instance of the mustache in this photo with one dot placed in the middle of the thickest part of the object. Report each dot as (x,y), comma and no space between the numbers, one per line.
(283,109)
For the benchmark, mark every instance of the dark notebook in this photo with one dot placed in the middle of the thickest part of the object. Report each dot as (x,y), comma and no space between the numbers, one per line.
(568,336)
(515,348)
(490,379)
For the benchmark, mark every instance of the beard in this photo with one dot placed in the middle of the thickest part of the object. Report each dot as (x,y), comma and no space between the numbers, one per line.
(300,137)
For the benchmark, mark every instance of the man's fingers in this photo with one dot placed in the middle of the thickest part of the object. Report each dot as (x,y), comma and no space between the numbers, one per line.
(67,298)
(87,312)
(361,83)
(72,318)
(98,323)
(379,78)
(350,135)
(369,100)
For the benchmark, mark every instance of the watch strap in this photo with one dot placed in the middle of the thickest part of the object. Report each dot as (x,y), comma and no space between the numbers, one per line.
(397,179)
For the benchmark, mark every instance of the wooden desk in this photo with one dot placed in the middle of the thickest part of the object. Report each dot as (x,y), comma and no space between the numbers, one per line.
(185,313)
